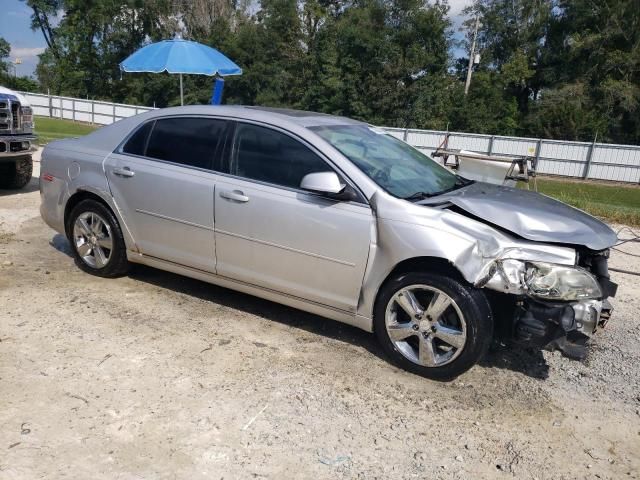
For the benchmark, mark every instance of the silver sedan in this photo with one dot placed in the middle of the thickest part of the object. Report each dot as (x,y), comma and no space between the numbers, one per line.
(334,217)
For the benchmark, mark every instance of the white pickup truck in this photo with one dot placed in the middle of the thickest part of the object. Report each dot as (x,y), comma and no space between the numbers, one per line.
(16,139)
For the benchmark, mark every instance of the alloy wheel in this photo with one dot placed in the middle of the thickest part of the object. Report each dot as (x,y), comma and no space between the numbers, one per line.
(93,240)
(425,325)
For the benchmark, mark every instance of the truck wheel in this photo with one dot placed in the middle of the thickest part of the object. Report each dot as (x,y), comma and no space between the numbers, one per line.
(433,325)
(16,174)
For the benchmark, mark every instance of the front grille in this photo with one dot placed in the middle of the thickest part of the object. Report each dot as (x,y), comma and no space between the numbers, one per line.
(14,118)
(15,112)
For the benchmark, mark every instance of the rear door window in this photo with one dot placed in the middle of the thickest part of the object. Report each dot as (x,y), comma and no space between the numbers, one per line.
(189,141)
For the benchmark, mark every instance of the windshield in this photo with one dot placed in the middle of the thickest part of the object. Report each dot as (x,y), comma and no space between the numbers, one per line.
(397,167)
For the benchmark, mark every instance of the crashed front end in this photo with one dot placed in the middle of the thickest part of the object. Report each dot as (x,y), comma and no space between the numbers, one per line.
(552,306)
(547,261)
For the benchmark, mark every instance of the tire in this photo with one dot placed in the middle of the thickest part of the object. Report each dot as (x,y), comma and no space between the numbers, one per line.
(91,229)
(420,343)
(16,175)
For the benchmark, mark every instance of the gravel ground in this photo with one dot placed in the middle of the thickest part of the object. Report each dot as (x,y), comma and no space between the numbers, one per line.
(158,376)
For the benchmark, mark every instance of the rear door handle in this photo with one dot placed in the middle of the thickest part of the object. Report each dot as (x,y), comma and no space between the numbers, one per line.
(124,172)
(236,196)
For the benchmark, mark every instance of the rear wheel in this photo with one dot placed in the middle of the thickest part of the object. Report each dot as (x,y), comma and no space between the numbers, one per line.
(15,175)
(96,240)
(433,325)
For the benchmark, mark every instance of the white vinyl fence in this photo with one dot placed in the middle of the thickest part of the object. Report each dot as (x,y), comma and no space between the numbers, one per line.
(600,161)
(80,110)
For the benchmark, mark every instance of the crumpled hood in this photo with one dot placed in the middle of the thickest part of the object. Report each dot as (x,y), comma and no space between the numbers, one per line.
(530,215)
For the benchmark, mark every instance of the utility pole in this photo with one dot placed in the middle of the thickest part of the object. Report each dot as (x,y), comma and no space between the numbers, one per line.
(472,56)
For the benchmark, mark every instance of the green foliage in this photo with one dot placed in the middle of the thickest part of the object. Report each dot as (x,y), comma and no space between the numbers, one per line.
(567,69)
(5,50)
(7,75)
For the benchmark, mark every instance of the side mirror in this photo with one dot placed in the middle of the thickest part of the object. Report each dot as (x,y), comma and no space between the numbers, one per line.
(326,183)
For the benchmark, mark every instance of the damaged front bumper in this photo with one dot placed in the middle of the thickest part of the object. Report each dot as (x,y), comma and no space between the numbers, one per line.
(564,323)
(563,327)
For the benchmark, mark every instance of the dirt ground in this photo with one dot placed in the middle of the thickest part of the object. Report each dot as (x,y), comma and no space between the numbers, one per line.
(158,376)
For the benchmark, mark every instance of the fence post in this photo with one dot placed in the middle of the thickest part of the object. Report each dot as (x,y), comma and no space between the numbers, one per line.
(491,144)
(587,165)
(93,112)
(537,154)
(50,103)
(405,135)
(61,107)
(114,112)
(73,110)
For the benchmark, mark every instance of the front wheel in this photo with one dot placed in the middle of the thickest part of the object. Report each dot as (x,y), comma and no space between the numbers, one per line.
(433,325)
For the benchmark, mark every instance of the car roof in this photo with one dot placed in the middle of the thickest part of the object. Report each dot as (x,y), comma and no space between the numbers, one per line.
(107,138)
(262,114)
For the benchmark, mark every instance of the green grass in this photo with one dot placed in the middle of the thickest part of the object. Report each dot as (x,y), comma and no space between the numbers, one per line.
(48,129)
(614,203)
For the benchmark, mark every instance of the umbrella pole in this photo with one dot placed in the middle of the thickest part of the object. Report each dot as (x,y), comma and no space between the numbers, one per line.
(181,94)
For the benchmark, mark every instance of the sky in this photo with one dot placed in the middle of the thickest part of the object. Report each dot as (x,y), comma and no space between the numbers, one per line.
(15,27)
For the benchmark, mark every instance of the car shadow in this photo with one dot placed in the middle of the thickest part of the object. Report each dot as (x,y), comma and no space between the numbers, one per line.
(61,243)
(266,309)
(525,361)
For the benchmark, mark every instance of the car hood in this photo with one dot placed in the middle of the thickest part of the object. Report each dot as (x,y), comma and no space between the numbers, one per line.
(530,215)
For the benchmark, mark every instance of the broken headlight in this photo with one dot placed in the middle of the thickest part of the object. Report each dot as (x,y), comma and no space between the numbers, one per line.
(559,282)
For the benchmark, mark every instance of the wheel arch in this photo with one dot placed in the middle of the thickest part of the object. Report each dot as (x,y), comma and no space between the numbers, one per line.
(75,199)
(420,264)
(83,193)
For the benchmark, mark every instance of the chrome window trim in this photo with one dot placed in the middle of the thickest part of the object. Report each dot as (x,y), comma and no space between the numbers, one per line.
(119,149)
(231,137)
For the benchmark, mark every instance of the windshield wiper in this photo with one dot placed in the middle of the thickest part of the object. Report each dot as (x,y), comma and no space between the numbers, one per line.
(419,196)
(460,182)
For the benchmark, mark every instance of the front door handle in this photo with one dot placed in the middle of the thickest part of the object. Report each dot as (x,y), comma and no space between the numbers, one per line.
(236,196)
(124,172)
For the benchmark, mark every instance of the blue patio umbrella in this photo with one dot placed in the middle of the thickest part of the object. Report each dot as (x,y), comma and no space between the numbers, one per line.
(182,57)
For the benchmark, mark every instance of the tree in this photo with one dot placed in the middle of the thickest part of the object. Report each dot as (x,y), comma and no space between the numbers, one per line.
(597,59)
(513,42)
(43,10)
(5,51)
